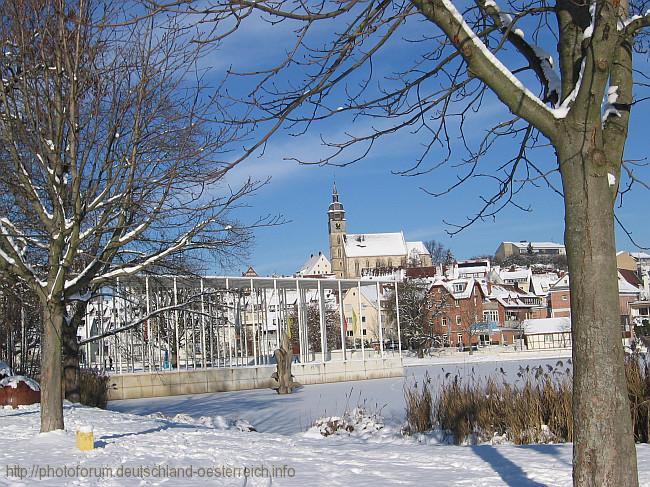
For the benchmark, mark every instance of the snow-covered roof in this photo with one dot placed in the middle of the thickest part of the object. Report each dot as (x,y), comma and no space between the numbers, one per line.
(4,369)
(624,287)
(375,244)
(640,255)
(541,283)
(561,283)
(516,274)
(312,262)
(546,325)
(13,381)
(417,247)
(467,284)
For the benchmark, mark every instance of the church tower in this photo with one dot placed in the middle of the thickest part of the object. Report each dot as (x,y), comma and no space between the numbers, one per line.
(336,230)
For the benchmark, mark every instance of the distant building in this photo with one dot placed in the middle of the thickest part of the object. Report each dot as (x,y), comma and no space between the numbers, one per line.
(477,268)
(523,247)
(369,254)
(316,266)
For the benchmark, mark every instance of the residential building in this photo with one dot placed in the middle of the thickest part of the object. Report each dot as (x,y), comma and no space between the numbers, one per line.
(517,276)
(547,333)
(316,266)
(361,313)
(457,311)
(476,268)
(370,254)
(523,247)
(560,300)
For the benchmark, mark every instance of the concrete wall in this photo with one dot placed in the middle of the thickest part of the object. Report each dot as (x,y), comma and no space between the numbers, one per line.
(172,383)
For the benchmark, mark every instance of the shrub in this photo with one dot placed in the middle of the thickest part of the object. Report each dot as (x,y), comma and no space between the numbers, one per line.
(536,411)
(638,387)
(93,386)
(419,405)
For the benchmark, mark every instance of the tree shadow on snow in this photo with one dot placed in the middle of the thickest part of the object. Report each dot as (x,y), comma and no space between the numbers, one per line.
(511,473)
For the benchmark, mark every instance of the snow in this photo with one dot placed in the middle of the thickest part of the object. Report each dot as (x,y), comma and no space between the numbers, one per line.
(5,369)
(375,244)
(611,179)
(547,64)
(563,110)
(417,247)
(542,326)
(451,8)
(610,109)
(156,450)
(13,381)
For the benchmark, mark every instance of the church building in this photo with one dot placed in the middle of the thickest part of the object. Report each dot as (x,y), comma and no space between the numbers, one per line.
(355,255)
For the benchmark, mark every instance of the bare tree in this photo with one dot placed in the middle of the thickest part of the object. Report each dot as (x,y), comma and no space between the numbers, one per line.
(332,326)
(437,251)
(111,162)
(463,56)
(417,310)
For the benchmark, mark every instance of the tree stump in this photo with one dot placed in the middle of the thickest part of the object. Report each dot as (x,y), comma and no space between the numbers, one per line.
(283,359)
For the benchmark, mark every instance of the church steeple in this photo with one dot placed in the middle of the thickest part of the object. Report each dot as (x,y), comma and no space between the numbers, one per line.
(336,230)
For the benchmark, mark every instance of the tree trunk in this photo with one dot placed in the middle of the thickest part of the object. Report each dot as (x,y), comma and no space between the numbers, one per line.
(71,354)
(604,453)
(51,376)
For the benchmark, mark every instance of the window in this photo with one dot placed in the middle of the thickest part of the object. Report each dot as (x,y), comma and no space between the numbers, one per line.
(491,316)
(458,320)
(363,319)
(444,321)
(564,297)
(457,302)
(365,332)
(459,338)
(349,333)
(459,287)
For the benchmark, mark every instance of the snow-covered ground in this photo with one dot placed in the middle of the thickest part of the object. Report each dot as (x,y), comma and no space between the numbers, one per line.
(137,450)
(203,439)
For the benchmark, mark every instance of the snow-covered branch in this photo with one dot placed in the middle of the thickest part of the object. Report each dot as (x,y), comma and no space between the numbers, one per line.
(538,59)
(483,64)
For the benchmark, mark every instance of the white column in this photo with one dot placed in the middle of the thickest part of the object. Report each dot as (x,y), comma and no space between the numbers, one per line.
(399,330)
(176,337)
(321,319)
(147,327)
(278,313)
(381,331)
(363,347)
(203,363)
(229,325)
(299,313)
(255,305)
(341,323)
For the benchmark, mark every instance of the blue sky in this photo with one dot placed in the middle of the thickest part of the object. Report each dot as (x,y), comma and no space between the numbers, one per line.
(377,200)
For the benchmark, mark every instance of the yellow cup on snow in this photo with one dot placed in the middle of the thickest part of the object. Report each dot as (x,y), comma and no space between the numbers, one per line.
(85,438)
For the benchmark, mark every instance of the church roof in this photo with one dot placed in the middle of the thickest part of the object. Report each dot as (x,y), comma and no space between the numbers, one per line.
(375,244)
(417,247)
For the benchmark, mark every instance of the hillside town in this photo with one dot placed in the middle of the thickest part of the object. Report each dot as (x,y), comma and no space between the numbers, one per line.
(519,297)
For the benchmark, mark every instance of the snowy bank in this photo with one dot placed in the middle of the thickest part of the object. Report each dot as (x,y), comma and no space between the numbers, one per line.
(136,450)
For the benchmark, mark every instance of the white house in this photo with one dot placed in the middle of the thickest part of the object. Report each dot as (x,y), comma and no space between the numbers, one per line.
(544,333)
(316,265)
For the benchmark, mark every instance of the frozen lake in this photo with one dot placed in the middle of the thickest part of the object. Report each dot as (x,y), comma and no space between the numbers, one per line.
(289,414)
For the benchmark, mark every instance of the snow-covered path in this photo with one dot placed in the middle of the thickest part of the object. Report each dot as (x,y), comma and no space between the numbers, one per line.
(164,447)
